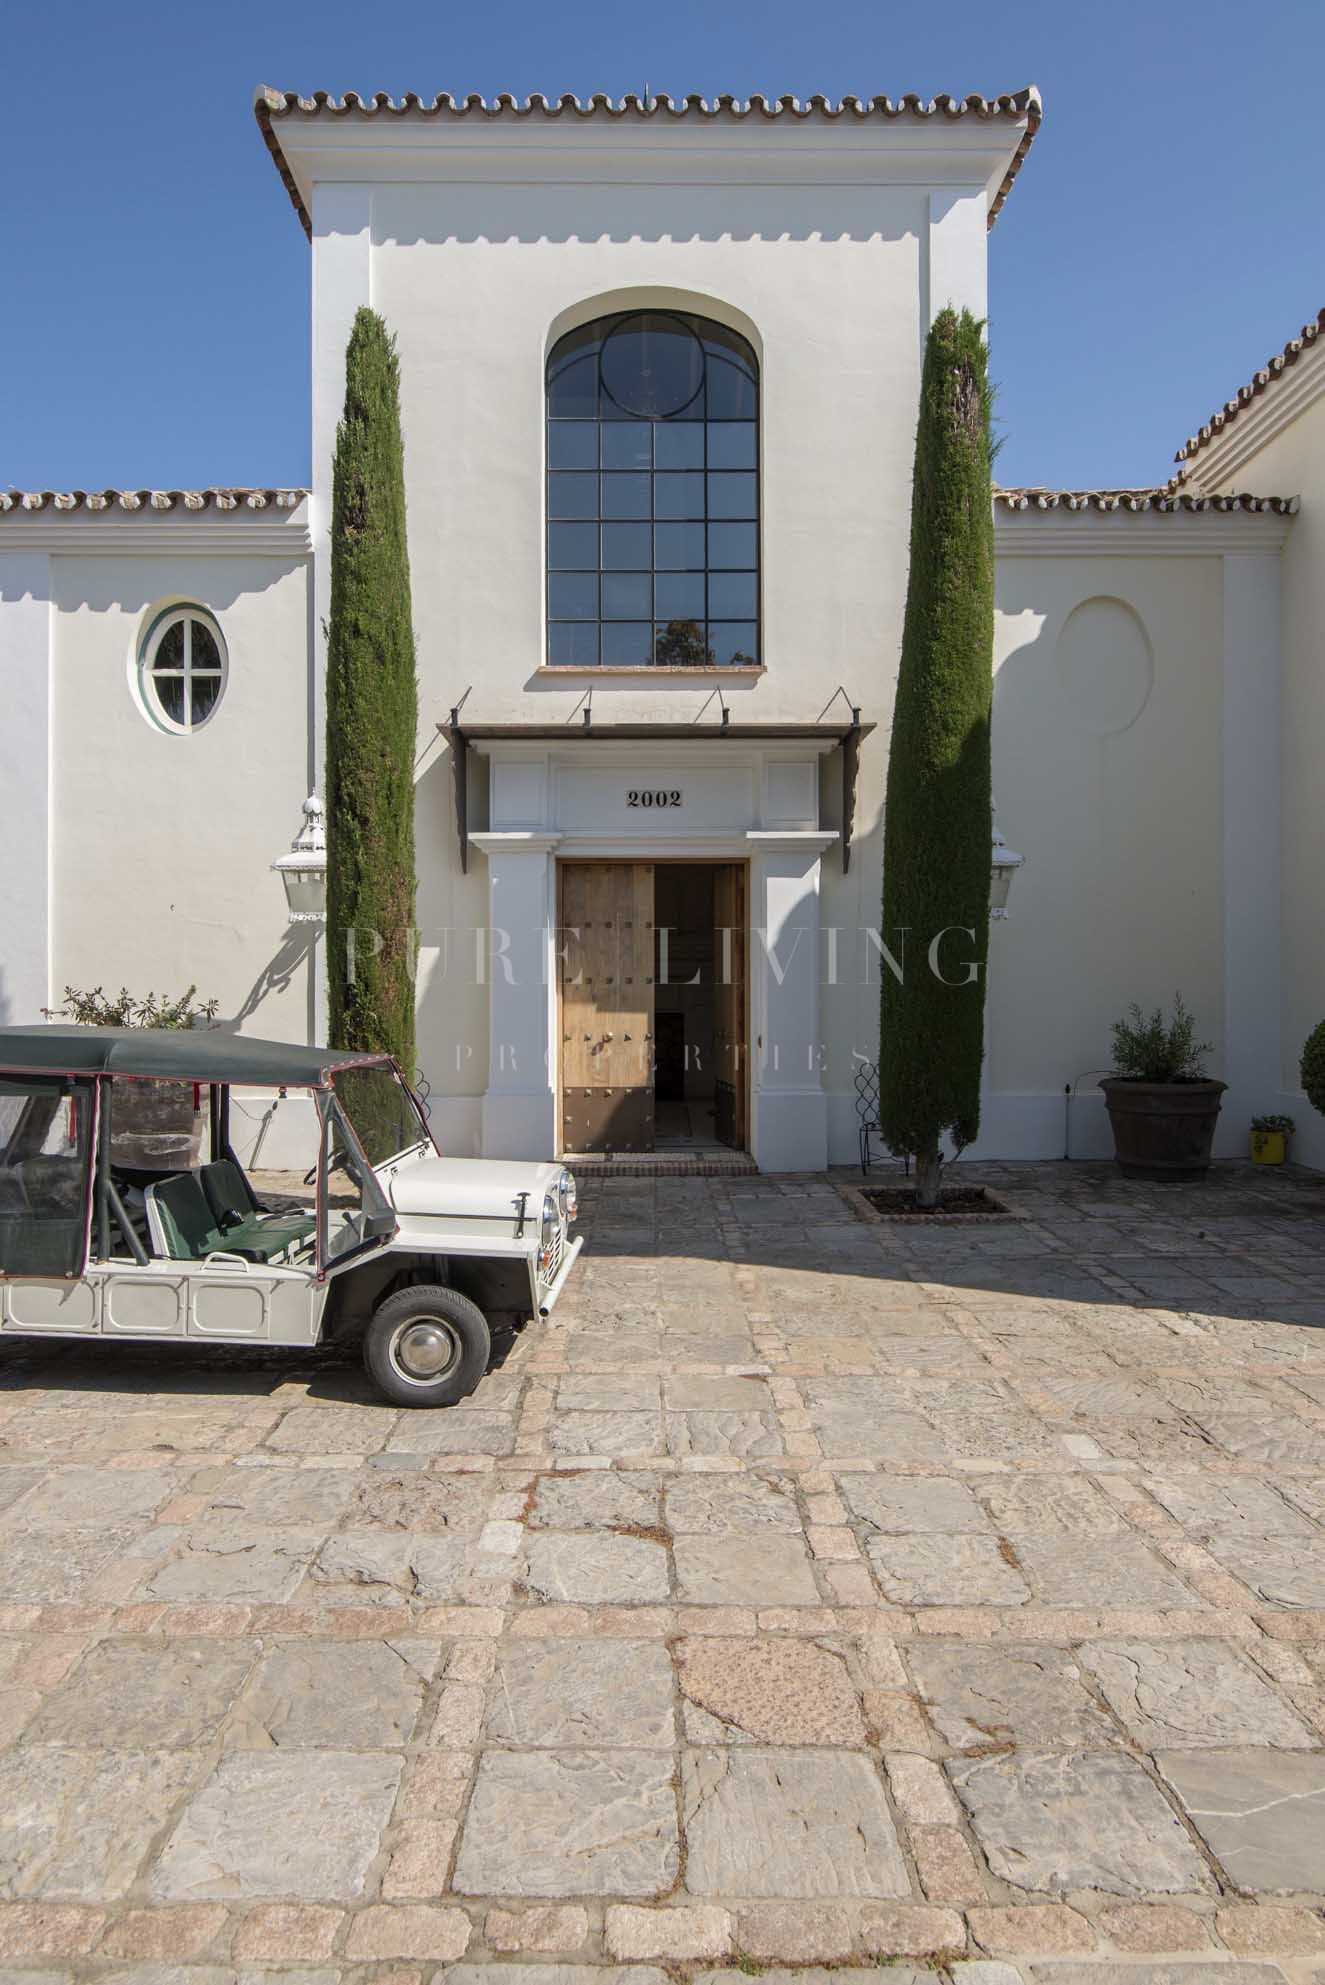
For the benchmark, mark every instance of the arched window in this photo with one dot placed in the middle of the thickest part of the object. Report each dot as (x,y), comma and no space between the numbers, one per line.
(653,494)
(182,668)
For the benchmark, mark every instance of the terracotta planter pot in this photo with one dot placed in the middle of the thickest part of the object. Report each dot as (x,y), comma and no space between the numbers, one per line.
(1162,1130)
(154,1126)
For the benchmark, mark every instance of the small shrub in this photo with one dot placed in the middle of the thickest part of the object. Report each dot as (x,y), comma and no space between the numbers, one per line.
(125,1009)
(1283,1124)
(1313,1068)
(1156,1049)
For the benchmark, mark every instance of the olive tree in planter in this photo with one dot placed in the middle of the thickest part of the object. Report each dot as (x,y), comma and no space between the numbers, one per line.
(1313,1068)
(937,823)
(155,1123)
(372,714)
(1162,1106)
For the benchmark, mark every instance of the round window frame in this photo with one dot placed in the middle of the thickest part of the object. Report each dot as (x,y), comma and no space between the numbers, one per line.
(149,699)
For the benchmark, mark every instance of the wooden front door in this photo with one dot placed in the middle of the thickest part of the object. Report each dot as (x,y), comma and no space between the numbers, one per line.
(605,1006)
(730,1039)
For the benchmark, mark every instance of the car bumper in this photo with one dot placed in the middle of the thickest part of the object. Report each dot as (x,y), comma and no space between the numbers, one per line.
(558,1282)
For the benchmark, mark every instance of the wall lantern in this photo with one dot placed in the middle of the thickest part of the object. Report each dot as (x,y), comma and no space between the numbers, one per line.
(1004,863)
(304,869)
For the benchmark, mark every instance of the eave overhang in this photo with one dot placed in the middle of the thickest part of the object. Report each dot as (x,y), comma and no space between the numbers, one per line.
(354,137)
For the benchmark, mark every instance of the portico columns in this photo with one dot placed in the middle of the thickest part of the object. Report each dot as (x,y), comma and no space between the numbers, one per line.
(789,1109)
(519,1109)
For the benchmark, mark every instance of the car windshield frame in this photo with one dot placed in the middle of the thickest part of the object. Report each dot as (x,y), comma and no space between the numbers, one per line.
(367,1126)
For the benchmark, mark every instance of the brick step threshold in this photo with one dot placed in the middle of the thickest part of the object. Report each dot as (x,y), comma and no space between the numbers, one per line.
(661,1164)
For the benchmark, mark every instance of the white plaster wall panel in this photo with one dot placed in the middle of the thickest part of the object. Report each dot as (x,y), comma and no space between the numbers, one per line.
(451,1007)
(828,276)
(519,793)
(956,267)
(791,793)
(826,280)
(1252,678)
(1290,461)
(1121,896)
(162,844)
(25,775)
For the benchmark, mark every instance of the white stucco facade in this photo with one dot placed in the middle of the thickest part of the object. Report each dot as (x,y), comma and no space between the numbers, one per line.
(1276,439)
(1153,678)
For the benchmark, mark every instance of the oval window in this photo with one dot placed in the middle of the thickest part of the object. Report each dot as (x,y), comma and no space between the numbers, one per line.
(182,668)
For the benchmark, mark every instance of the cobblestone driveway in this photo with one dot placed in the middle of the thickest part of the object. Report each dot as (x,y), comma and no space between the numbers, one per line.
(802,1592)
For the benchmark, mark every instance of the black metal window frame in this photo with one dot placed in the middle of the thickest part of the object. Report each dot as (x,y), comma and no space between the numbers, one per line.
(674,638)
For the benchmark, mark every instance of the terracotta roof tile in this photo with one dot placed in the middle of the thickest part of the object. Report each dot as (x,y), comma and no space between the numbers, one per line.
(1165,501)
(28,502)
(272,105)
(1255,386)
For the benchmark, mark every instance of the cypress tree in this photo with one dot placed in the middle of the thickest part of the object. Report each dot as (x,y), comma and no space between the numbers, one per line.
(372,714)
(937,827)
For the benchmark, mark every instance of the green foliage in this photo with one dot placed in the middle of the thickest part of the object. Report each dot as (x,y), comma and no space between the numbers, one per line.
(681,646)
(1156,1049)
(1313,1068)
(125,1009)
(372,714)
(1283,1124)
(937,826)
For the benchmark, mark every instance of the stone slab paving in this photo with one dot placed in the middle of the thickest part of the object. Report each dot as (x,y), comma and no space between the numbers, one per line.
(804,1594)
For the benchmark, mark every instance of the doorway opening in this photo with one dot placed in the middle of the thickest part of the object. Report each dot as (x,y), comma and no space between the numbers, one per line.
(652,1004)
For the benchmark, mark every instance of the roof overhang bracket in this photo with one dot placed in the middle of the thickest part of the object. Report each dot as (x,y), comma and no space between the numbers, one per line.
(459,744)
(850,768)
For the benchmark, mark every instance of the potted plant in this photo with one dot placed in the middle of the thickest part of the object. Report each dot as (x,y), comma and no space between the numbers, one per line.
(1270,1139)
(1162,1106)
(155,1123)
(1313,1068)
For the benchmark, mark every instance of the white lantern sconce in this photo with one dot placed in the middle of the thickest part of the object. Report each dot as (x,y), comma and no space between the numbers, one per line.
(1004,863)
(304,869)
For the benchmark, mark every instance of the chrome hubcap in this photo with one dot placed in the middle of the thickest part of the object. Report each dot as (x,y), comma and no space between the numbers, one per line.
(425,1350)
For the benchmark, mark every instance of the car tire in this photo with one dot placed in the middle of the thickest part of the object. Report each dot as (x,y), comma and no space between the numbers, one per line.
(427,1346)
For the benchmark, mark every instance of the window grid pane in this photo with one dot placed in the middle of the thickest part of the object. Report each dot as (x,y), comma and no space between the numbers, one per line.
(664,505)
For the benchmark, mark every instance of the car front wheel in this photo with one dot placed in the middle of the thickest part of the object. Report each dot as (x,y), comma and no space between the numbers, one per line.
(427,1346)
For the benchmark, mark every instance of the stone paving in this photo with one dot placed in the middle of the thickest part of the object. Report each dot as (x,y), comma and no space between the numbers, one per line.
(804,1593)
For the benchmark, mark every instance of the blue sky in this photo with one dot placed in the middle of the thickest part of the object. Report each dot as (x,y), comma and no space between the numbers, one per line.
(1166,235)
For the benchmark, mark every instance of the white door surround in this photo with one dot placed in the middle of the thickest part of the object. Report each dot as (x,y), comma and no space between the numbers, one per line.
(727,801)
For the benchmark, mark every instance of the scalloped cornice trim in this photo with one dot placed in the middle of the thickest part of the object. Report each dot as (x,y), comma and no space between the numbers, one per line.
(1255,386)
(1017,106)
(32,502)
(1163,502)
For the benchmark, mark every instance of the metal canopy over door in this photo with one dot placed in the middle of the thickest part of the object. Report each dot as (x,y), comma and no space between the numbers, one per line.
(730,1037)
(605,978)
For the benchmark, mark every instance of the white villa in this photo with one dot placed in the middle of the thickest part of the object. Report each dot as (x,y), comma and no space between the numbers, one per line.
(660,365)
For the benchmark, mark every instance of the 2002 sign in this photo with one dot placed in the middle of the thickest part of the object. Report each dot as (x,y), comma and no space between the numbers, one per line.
(665,797)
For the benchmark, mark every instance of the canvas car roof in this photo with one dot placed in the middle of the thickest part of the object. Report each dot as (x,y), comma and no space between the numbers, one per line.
(190,1054)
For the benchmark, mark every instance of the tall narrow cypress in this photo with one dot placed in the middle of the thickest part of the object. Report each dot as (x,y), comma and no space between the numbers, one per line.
(372,714)
(936,847)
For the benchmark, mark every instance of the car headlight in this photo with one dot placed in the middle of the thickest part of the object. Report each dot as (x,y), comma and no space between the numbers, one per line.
(567,1196)
(548,1236)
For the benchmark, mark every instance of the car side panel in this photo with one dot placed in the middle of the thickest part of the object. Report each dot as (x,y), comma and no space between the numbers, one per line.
(222,1302)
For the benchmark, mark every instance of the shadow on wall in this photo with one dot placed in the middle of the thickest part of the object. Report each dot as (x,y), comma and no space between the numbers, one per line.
(133,584)
(451,1011)
(294,951)
(677,215)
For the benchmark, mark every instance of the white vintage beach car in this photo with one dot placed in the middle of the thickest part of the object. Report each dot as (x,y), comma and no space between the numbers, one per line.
(407,1249)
